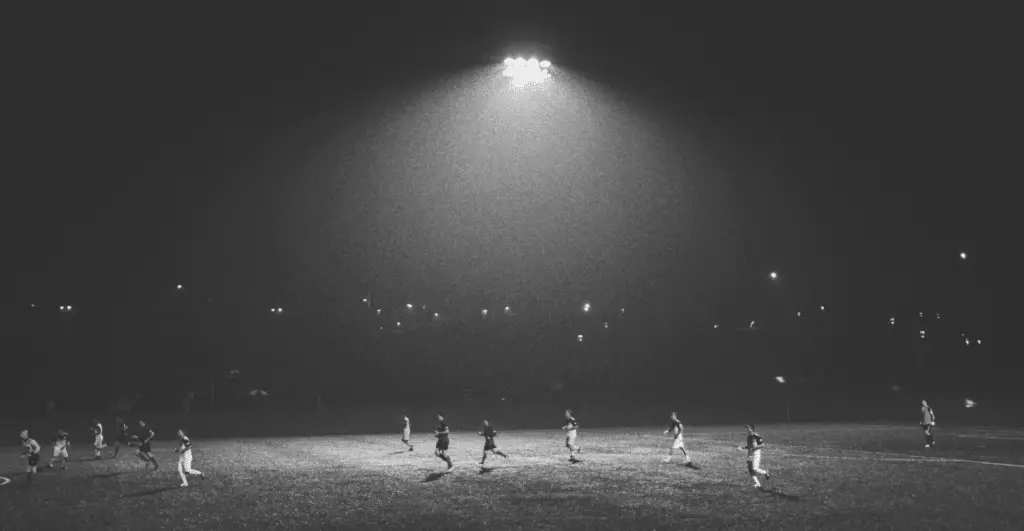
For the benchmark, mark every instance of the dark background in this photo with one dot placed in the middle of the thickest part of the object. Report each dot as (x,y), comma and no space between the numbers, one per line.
(849,150)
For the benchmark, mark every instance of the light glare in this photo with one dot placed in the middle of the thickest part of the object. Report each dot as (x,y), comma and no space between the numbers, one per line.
(524,72)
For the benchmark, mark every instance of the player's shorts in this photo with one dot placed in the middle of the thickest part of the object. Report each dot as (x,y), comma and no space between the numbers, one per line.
(570,439)
(442,444)
(185,459)
(145,448)
(926,427)
(489,445)
(33,459)
(98,443)
(405,436)
(678,443)
(60,451)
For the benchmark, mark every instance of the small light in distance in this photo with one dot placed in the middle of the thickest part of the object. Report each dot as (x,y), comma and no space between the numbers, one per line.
(399,324)
(483,313)
(963,256)
(507,309)
(798,314)
(773,275)
(938,316)
(924,334)
(716,327)
(968,403)
(979,341)
(822,308)
(436,315)
(586,307)
(622,310)
(892,321)
(545,64)
(967,341)
(780,379)
(180,287)
(32,305)
(752,324)
(409,306)
(579,338)
(524,72)
(378,311)
(920,315)
(606,324)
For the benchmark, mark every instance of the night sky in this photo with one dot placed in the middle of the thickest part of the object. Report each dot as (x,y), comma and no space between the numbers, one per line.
(309,159)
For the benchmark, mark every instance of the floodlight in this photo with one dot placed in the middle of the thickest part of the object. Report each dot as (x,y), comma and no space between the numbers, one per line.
(774,275)
(524,72)
(963,256)
(780,379)
(545,64)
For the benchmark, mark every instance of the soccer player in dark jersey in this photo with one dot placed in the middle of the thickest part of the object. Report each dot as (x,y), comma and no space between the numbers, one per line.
(60,449)
(489,434)
(31,453)
(406,432)
(145,451)
(122,435)
(675,429)
(927,423)
(754,445)
(184,451)
(441,449)
(97,433)
(570,428)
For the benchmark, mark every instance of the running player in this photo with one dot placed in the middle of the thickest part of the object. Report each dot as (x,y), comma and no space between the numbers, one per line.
(489,434)
(60,449)
(97,433)
(406,432)
(570,428)
(754,445)
(441,449)
(184,451)
(31,452)
(122,435)
(927,423)
(675,429)
(145,451)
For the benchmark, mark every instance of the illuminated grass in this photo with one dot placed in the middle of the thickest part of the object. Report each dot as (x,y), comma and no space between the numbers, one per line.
(826,477)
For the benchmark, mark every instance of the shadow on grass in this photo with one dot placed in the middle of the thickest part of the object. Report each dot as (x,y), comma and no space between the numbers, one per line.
(398,452)
(774,491)
(109,475)
(486,470)
(434,476)
(692,466)
(149,492)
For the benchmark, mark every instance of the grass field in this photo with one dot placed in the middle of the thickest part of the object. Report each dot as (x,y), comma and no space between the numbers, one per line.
(825,477)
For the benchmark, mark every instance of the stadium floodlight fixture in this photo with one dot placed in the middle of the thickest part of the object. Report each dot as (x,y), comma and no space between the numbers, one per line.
(774,275)
(963,256)
(526,71)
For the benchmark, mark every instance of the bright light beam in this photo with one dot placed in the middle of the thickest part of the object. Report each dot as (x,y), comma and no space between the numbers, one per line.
(525,72)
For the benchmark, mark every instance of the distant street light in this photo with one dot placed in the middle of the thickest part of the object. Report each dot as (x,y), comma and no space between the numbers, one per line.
(798,314)
(822,308)
(483,313)
(586,307)
(963,256)
(180,287)
(409,306)
(277,311)
(774,275)
(579,338)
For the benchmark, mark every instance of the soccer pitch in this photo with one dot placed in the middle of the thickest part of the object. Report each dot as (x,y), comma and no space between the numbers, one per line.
(825,477)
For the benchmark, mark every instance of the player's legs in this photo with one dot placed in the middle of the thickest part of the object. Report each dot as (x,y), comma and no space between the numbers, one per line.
(928,438)
(405,440)
(499,452)
(484,457)
(754,467)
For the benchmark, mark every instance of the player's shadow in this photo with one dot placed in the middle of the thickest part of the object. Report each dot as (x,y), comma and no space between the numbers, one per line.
(150,492)
(692,466)
(399,452)
(434,476)
(486,470)
(778,493)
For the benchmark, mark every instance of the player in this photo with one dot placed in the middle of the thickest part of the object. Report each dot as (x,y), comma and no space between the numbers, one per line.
(675,429)
(927,423)
(145,451)
(441,449)
(754,445)
(97,432)
(184,451)
(122,435)
(406,432)
(31,453)
(489,434)
(60,449)
(570,428)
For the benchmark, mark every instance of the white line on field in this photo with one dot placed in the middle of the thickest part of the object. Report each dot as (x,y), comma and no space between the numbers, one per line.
(4,481)
(972,436)
(908,460)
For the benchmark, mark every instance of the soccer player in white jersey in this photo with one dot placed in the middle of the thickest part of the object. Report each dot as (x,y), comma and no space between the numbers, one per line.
(184,451)
(927,423)
(30,452)
(675,429)
(754,445)
(571,427)
(97,432)
(406,432)
(60,449)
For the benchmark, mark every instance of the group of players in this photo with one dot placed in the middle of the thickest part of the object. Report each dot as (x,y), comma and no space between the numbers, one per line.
(754,446)
(61,443)
(142,440)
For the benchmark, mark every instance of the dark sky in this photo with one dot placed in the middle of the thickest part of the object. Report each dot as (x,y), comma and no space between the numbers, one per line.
(259,153)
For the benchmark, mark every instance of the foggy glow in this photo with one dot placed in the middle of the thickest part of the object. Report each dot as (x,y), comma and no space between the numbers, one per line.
(780,379)
(507,309)
(180,286)
(579,338)
(822,308)
(798,314)
(524,72)
(774,275)
(716,327)
(606,324)
(924,334)
(483,313)
(378,311)
(968,403)
(586,307)
(963,256)
(409,306)
(276,310)
(436,315)
(892,321)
